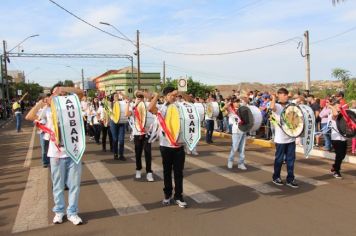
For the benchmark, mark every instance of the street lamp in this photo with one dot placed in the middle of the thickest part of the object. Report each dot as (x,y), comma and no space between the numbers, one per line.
(7,60)
(137,53)
(31,36)
(82,73)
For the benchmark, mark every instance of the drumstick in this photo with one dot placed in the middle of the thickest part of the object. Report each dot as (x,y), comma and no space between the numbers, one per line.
(23,97)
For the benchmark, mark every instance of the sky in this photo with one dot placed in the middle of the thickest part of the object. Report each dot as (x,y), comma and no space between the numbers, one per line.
(189,26)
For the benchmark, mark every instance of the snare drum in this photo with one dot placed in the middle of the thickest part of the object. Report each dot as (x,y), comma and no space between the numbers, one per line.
(212,109)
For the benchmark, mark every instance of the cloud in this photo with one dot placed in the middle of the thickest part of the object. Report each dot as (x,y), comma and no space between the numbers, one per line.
(108,13)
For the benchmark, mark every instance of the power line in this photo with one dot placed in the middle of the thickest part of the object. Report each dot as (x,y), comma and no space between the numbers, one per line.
(334,36)
(175,52)
(222,53)
(86,22)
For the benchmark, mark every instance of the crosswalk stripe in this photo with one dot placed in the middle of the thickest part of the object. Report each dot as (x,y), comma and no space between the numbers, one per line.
(191,190)
(238,178)
(299,177)
(121,199)
(271,170)
(33,210)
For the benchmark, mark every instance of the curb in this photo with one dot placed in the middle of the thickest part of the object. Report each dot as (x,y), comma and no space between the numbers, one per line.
(269,144)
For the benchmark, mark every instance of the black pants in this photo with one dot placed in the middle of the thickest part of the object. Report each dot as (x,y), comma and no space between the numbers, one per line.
(106,132)
(340,148)
(85,125)
(173,158)
(142,144)
(209,130)
(97,131)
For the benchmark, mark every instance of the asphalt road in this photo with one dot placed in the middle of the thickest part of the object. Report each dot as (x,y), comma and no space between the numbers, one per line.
(221,201)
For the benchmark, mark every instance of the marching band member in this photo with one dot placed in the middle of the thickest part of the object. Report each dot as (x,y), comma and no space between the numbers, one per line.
(338,141)
(84,106)
(173,155)
(44,137)
(105,126)
(95,112)
(63,169)
(141,137)
(238,137)
(117,131)
(209,123)
(285,145)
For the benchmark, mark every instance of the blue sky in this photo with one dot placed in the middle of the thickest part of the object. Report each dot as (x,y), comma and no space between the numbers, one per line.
(194,26)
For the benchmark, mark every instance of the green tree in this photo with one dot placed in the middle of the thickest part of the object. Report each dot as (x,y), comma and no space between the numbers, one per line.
(341,74)
(197,89)
(350,91)
(68,83)
(33,89)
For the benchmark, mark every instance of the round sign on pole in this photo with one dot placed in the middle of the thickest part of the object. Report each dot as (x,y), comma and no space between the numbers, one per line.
(182,84)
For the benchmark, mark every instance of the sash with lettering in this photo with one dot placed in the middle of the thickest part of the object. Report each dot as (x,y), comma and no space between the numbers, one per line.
(309,129)
(71,125)
(190,124)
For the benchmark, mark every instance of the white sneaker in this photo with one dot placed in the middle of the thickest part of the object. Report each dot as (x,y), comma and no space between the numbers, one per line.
(195,153)
(75,219)
(230,164)
(167,201)
(138,174)
(150,177)
(189,152)
(242,166)
(58,218)
(181,203)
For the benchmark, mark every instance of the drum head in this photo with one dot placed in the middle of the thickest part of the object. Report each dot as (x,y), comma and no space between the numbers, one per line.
(292,121)
(246,117)
(342,126)
(172,120)
(140,121)
(55,121)
(116,112)
(209,110)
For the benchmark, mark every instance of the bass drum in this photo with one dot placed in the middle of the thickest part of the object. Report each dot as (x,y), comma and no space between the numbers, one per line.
(257,118)
(201,110)
(212,109)
(246,118)
(150,118)
(123,118)
(292,121)
(342,126)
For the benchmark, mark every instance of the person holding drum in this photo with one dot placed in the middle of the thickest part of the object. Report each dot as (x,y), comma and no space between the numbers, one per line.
(117,127)
(338,141)
(238,136)
(285,145)
(63,169)
(173,155)
(212,107)
(137,113)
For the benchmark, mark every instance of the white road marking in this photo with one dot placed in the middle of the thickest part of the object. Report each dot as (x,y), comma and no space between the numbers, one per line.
(237,178)
(33,210)
(191,190)
(121,199)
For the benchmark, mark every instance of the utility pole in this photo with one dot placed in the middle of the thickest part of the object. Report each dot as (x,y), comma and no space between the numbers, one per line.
(2,89)
(307,61)
(164,73)
(5,70)
(138,60)
(83,78)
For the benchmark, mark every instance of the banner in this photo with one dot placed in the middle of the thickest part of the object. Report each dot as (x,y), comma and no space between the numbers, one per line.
(71,125)
(190,124)
(309,129)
